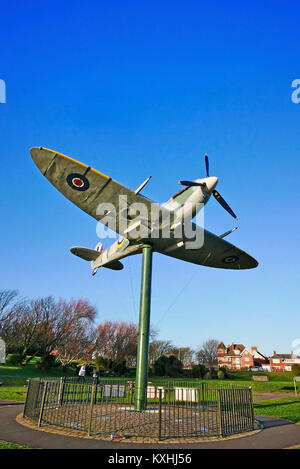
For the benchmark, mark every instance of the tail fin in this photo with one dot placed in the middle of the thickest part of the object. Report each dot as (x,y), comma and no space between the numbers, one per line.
(99,247)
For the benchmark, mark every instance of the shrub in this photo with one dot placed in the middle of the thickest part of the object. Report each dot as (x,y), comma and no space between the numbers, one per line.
(198,371)
(101,363)
(211,374)
(296,370)
(120,368)
(225,372)
(221,374)
(89,369)
(46,363)
(14,359)
(167,366)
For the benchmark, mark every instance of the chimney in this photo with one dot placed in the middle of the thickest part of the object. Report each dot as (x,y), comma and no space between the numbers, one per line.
(274,352)
(253,349)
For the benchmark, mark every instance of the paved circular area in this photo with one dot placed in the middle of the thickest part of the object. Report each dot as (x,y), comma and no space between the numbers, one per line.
(277,434)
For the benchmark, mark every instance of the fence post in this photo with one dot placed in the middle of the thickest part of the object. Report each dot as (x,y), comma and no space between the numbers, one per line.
(159,413)
(96,388)
(252,409)
(220,412)
(131,390)
(91,410)
(27,394)
(61,390)
(42,404)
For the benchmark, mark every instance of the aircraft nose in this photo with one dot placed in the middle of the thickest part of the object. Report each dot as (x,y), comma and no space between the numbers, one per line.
(211,183)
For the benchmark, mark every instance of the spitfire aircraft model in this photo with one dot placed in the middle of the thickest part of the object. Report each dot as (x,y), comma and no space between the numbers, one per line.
(88,188)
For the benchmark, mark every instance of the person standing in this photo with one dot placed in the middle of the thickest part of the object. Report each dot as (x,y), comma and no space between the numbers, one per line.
(81,374)
(96,379)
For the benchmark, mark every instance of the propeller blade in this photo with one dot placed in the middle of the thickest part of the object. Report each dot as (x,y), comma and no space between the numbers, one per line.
(207,166)
(224,204)
(192,183)
(228,232)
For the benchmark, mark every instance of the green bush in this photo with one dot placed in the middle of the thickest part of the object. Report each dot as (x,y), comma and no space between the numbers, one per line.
(225,372)
(198,371)
(167,366)
(221,374)
(14,359)
(120,368)
(46,363)
(88,370)
(296,370)
(101,363)
(211,374)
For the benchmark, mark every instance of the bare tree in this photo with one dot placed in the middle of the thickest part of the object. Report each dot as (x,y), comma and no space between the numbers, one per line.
(117,340)
(7,299)
(157,348)
(11,310)
(207,353)
(185,355)
(47,324)
(78,346)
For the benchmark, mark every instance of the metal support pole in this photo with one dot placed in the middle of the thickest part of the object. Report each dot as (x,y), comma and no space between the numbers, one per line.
(144,330)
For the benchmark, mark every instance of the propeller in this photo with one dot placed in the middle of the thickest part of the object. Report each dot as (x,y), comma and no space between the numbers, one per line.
(215,193)
(207,166)
(223,203)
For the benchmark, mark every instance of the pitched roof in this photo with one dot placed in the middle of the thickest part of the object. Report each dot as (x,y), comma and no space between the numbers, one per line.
(231,348)
(282,355)
(257,354)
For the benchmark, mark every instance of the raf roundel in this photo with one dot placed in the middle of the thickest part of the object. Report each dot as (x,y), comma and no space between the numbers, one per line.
(78,182)
(230,259)
(120,242)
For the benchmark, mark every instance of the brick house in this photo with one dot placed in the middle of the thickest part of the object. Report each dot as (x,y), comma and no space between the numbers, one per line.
(283,361)
(238,357)
(258,358)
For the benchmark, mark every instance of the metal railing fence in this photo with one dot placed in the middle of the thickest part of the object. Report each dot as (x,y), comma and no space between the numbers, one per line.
(107,408)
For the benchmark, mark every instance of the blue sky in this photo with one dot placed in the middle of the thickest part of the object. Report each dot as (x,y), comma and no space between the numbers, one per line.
(137,89)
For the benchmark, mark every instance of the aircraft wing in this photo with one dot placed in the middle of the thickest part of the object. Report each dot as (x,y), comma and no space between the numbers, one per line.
(84,186)
(215,252)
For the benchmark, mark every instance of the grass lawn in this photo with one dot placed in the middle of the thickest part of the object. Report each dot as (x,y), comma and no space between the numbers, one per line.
(13,394)
(285,408)
(6,445)
(278,382)
(257,386)
(19,374)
